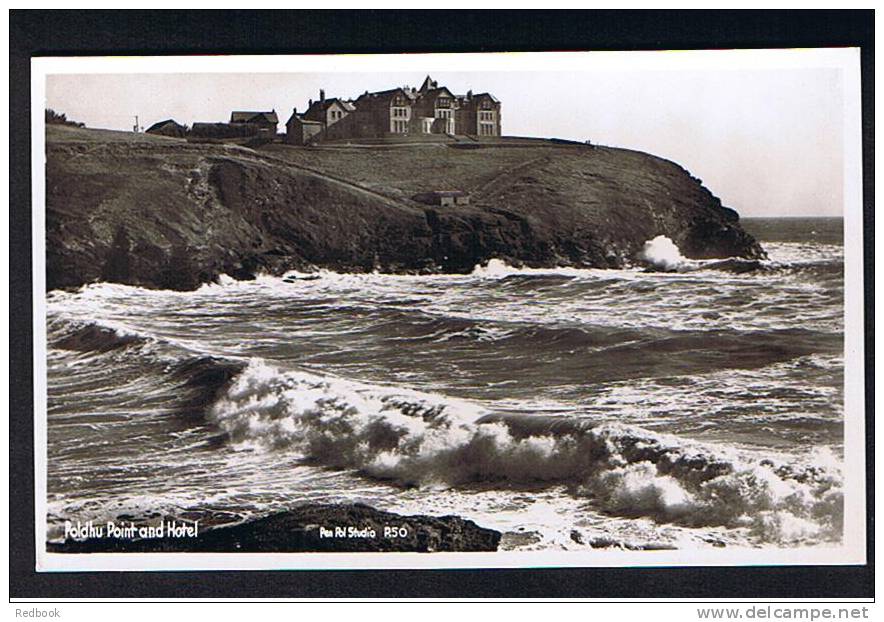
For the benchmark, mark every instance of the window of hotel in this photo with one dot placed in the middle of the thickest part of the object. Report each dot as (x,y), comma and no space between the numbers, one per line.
(486,116)
(486,129)
(401,113)
(443,114)
(443,102)
(400,127)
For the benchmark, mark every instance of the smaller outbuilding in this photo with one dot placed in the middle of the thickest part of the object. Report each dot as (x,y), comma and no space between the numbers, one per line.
(301,131)
(263,122)
(445,198)
(169,127)
(223,130)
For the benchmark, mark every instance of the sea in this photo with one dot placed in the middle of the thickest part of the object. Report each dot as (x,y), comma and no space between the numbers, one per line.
(674,404)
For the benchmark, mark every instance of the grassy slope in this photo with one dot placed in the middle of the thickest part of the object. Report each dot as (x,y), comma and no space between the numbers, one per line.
(405,171)
(615,198)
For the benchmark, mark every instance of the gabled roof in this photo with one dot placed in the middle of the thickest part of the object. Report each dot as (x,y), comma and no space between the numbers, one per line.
(300,118)
(244,116)
(325,104)
(386,94)
(436,92)
(428,84)
(160,124)
(488,95)
(317,108)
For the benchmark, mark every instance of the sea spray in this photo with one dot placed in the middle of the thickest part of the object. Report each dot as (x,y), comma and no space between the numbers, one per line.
(498,268)
(495,268)
(662,253)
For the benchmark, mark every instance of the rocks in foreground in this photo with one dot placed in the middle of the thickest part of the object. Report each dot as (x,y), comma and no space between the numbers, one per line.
(337,528)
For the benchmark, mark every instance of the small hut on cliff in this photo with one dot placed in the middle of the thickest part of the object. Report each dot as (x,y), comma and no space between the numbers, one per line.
(443,198)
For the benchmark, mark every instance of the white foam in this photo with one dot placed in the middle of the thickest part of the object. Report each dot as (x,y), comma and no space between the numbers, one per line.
(661,252)
(425,439)
(498,268)
(797,253)
(495,268)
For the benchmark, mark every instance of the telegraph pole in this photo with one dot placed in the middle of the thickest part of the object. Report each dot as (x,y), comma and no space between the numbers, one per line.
(135,127)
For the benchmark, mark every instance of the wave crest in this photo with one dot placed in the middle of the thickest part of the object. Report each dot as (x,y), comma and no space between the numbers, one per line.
(94,336)
(415,438)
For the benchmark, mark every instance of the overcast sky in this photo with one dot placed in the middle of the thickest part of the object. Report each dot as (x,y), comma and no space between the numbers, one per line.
(767,142)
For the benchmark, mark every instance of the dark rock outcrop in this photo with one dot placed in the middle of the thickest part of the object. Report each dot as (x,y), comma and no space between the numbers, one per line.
(160,212)
(354,528)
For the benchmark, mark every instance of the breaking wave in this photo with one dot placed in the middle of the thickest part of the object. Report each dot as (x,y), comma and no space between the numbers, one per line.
(154,364)
(662,254)
(417,439)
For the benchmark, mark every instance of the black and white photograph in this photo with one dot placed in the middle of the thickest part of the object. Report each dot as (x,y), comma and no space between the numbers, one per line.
(449,310)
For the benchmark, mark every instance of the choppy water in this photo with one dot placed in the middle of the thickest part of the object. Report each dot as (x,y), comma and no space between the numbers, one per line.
(568,408)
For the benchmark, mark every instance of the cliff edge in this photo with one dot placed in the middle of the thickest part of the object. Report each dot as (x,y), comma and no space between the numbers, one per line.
(162,212)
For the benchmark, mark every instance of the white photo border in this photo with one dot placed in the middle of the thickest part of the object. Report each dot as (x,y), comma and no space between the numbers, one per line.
(852,550)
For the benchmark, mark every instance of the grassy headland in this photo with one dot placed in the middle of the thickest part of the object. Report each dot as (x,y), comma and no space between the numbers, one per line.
(163,212)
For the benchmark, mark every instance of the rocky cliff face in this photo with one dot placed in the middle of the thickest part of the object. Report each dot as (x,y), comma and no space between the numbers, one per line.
(160,212)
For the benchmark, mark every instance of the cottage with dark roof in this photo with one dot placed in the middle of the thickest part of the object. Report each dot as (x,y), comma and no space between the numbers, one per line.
(328,111)
(169,127)
(263,122)
(302,131)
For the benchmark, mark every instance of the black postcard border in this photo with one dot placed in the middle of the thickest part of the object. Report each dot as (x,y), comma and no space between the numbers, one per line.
(84,33)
